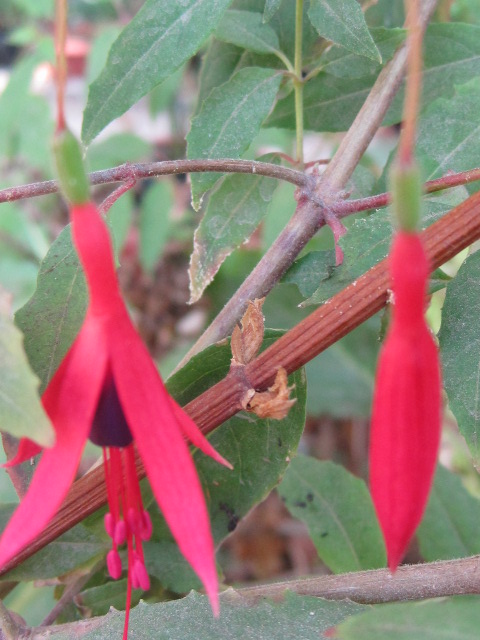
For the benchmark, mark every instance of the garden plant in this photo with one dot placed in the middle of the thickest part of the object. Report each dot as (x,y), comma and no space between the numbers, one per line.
(239,271)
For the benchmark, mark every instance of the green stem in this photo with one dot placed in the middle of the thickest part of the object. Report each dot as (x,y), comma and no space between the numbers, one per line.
(298,82)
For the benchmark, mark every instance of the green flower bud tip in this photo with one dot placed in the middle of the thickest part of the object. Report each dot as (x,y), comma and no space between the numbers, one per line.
(406,189)
(70,168)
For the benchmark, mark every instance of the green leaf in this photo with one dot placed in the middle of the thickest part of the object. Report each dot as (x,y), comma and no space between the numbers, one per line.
(247,29)
(155,224)
(98,600)
(308,271)
(294,618)
(159,39)
(271,8)
(21,412)
(99,51)
(117,149)
(386,13)
(368,241)
(230,118)
(460,348)
(165,562)
(457,148)
(284,24)
(345,64)
(53,316)
(448,618)
(452,56)
(233,213)
(218,65)
(451,522)
(339,513)
(342,22)
(73,548)
(341,378)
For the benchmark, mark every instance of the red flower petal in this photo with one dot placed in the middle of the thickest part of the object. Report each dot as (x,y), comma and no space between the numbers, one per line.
(164,451)
(193,433)
(406,416)
(92,241)
(26,449)
(70,401)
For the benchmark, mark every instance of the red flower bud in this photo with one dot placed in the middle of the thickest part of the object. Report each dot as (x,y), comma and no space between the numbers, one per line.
(406,416)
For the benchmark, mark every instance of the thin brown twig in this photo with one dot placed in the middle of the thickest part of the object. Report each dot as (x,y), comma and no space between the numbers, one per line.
(413,87)
(346,207)
(327,324)
(413,582)
(126,172)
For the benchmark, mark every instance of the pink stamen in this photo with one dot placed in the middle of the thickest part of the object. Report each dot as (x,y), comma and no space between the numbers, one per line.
(109,524)
(146,526)
(120,532)
(140,575)
(114,564)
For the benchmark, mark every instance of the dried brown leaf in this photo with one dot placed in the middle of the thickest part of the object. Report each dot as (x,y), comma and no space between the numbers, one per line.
(274,403)
(247,338)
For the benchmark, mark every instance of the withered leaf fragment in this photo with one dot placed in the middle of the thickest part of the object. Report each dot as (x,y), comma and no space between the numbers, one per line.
(247,338)
(274,403)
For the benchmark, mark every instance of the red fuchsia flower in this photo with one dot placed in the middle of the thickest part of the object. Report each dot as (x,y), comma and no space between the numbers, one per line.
(406,417)
(107,389)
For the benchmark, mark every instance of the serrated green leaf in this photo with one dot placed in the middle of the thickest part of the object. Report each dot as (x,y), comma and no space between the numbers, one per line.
(339,513)
(21,412)
(368,241)
(53,316)
(155,224)
(233,213)
(345,64)
(460,349)
(449,132)
(448,618)
(294,618)
(451,522)
(271,8)
(342,22)
(452,56)
(230,118)
(247,30)
(159,39)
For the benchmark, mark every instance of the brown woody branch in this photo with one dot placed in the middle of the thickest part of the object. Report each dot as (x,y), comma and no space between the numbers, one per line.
(327,324)
(413,582)
(128,172)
